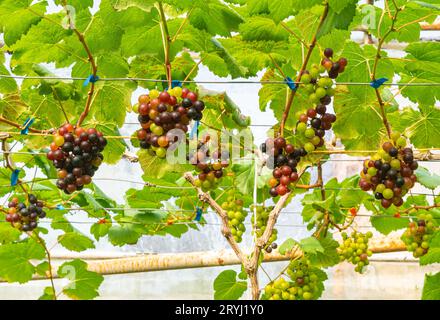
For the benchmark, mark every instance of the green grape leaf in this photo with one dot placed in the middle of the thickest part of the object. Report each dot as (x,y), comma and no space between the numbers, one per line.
(311,245)
(427,179)
(83,284)
(15,265)
(122,235)
(281,9)
(226,286)
(329,257)
(75,241)
(431,287)
(99,230)
(287,246)
(339,16)
(8,233)
(48,294)
(386,224)
(17,16)
(261,28)
(421,126)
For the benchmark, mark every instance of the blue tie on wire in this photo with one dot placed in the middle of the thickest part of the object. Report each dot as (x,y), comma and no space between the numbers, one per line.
(199,212)
(91,79)
(195,129)
(59,207)
(26,125)
(14,177)
(290,83)
(376,84)
(176,83)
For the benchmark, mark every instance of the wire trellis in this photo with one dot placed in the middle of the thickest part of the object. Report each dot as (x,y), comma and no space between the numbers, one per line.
(409,84)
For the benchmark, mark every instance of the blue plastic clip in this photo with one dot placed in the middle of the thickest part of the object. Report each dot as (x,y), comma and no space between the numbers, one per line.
(176,83)
(59,207)
(194,130)
(26,125)
(199,212)
(378,82)
(14,177)
(91,79)
(290,83)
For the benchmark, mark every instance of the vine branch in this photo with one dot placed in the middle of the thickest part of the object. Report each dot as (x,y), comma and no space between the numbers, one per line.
(376,62)
(90,59)
(310,48)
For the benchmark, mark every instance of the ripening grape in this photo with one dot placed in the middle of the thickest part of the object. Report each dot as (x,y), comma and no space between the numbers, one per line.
(390,172)
(283,159)
(354,249)
(262,218)
(316,121)
(236,215)
(77,154)
(210,169)
(160,112)
(419,233)
(305,284)
(25,217)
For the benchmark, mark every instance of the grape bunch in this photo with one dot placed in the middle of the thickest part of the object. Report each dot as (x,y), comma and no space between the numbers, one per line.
(306,283)
(354,249)
(333,68)
(25,218)
(320,87)
(283,160)
(236,215)
(210,169)
(418,234)
(160,112)
(390,172)
(76,153)
(262,218)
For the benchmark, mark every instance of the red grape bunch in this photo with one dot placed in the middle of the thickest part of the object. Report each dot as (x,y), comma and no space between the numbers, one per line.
(283,160)
(25,218)
(390,172)
(419,233)
(76,153)
(160,112)
(316,121)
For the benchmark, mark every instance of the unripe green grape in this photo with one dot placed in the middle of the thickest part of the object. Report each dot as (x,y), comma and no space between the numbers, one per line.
(388,194)
(306,78)
(309,147)
(302,127)
(320,93)
(316,140)
(401,142)
(309,133)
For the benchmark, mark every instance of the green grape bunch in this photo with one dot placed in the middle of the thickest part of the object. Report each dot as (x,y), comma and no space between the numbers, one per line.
(354,249)
(419,234)
(305,283)
(236,216)
(260,226)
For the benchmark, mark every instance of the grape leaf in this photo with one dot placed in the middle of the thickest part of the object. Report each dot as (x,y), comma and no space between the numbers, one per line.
(427,179)
(75,241)
(226,286)
(84,284)
(431,287)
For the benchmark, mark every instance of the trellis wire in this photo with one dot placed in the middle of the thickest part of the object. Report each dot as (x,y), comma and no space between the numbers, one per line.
(413,84)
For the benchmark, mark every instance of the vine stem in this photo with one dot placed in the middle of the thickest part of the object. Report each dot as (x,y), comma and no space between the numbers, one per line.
(18,126)
(49,261)
(90,59)
(374,70)
(165,41)
(310,48)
